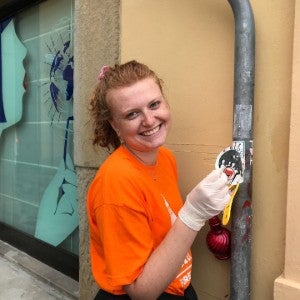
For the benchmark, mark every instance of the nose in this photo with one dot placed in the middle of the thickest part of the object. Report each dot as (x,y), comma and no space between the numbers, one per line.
(149,118)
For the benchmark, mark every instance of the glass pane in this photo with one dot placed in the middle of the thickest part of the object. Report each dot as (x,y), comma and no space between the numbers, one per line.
(38,184)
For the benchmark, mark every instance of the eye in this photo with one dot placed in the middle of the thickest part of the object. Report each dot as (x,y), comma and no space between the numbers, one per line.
(155,104)
(131,115)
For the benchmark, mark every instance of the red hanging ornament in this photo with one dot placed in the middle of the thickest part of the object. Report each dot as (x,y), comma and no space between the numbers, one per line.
(218,239)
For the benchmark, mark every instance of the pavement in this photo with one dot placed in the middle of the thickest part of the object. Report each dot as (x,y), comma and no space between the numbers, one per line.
(23,277)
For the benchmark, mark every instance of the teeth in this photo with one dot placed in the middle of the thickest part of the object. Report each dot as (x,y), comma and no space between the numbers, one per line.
(150,132)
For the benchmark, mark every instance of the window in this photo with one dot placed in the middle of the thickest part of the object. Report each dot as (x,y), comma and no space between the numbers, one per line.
(38,186)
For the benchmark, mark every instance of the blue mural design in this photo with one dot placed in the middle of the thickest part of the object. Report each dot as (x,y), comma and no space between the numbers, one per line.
(58,211)
(58,65)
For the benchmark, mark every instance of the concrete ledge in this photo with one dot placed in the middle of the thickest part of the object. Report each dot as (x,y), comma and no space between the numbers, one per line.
(54,278)
(285,289)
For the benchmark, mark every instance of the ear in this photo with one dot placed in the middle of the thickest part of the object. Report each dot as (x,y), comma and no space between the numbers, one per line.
(114,126)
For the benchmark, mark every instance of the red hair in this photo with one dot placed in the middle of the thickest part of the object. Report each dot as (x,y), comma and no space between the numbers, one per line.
(121,75)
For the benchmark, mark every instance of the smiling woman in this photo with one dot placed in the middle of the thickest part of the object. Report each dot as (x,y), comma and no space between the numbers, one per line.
(140,230)
(141,118)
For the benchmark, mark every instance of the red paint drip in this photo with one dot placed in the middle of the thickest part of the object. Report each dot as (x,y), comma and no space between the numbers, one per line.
(247,203)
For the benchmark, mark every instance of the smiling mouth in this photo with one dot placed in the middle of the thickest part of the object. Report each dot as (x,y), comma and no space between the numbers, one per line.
(152,131)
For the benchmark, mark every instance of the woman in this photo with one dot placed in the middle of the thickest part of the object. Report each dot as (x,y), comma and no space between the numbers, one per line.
(139,248)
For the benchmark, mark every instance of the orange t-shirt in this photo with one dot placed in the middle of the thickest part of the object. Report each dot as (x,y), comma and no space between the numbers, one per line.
(131,208)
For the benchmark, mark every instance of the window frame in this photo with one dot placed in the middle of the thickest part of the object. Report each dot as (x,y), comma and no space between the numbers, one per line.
(9,8)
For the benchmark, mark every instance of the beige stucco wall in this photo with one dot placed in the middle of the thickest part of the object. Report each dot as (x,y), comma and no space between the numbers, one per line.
(190,44)
(287,286)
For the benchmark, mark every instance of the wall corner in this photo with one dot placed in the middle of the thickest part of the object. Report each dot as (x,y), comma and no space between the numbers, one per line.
(285,289)
(96,43)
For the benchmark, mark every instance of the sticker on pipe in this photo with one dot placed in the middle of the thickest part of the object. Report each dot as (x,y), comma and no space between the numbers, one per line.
(230,161)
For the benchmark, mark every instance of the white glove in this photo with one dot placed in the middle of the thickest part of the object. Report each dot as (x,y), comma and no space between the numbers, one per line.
(206,200)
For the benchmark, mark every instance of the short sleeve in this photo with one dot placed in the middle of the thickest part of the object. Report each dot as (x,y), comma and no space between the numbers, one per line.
(124,230)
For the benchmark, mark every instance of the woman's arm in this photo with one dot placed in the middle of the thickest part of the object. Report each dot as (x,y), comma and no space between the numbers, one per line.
(206,200)
(163,264)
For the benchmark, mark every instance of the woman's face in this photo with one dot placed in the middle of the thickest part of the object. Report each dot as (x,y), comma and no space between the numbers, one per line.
(140,115)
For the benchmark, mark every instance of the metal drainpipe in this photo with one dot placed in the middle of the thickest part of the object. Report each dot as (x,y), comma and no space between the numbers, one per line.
(242,136)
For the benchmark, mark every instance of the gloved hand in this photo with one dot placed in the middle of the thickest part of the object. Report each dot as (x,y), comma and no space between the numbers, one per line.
(206,200)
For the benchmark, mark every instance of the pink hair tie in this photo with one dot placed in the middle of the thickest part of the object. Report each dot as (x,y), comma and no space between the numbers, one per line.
(103,71)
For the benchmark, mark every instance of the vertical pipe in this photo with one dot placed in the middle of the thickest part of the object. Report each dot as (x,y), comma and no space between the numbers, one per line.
(242,139)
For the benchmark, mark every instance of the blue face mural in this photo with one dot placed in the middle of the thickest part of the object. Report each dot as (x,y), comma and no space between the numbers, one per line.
(2,113)
(12,54)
